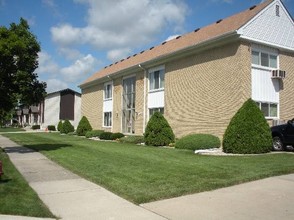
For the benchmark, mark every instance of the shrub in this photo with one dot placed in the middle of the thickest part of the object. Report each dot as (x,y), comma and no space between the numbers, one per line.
(198,141)
(93,133)
(158,132)
(132,139)
(115,136)
(248,131)
(35,127)
(59,126)
(83,127)
(105,136)
(51,128)
(67,127)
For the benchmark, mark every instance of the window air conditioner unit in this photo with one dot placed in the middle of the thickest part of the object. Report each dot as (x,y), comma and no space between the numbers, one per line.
(278,74)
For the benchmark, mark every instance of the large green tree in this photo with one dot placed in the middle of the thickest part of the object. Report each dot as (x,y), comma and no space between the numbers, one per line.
(18,61)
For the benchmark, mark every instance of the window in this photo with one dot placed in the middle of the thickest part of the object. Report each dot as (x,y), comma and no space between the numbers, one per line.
(264,59)
(156,79)
(270,110)
(107,119)
(153,110)
(108,91)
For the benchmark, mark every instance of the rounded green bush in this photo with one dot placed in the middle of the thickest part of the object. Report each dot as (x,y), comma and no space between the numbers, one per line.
(83,127)
(105,136)
(198,141)
(67,127)
(132,139)
(35,127)
(59,126)
(115,136)
(93,133)
(51,128)
(248,131)
(158,131)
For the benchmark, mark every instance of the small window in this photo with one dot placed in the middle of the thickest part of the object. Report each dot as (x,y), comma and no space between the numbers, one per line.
(273,61)
(156,80)
(264,59)
(269,110)
(108,91)
(107,119)
(255,57)
(153,110)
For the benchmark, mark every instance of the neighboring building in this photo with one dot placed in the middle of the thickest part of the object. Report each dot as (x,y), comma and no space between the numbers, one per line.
(60,105)
(201,79)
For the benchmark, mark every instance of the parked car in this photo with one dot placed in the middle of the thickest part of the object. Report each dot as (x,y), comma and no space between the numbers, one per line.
(283,135)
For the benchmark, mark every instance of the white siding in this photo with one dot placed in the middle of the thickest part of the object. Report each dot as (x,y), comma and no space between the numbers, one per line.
(77,111)
(107,105)
(52,108)
(156,99)
(268,28)
(264,88)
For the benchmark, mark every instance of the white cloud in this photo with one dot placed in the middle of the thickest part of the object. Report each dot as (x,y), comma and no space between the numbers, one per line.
(113,24)
(70,53)
(46,64)
(172,37)
(54,85)
(117,54)
(81,68)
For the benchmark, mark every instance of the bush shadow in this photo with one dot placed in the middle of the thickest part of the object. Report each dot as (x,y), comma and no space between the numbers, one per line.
(30,148)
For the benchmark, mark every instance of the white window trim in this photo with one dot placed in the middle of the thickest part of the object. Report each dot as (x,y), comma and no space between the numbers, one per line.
(152,70)
(106,84)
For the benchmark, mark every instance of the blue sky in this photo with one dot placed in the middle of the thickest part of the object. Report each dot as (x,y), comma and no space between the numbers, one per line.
(79,37)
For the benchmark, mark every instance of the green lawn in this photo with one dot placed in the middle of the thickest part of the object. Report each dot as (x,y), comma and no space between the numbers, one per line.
(16,196)
(10,129)
(143,174)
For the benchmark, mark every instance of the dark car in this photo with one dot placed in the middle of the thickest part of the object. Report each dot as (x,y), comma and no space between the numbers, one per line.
(283,135)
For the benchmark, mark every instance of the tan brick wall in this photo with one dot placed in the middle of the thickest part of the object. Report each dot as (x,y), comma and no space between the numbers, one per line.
(287,91)
(92,105)
(204,91)
(117,105)
(139,102)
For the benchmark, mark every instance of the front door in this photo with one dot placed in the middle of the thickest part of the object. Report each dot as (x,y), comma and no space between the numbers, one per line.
(128,110)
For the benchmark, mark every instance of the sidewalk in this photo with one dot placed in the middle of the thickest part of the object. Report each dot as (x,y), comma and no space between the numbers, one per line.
(67,195)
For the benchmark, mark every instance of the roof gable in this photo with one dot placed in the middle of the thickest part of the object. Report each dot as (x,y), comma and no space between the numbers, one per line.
(205,34)
(273,25)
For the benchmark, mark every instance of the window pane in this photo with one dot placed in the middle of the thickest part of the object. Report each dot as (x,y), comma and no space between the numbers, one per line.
(273,110)
(264,59)
(255,57)
(156,80)
(151,80)
(265,109)
(273,61)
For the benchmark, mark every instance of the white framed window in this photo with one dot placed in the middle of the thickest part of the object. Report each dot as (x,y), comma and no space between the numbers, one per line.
(153,110)
(270,110)
(156,79)
(107,119)
(265,59)
(108,91)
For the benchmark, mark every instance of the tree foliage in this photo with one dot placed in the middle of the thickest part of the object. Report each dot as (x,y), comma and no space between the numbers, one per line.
(18,60)
(83,126)
(67,127)
(248,131)
(158,131)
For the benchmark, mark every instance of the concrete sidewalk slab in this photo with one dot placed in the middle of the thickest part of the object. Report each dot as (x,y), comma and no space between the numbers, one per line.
(67,195)
(269,199)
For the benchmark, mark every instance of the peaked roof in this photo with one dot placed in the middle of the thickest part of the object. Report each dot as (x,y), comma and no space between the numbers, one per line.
(212,31)
(64,90)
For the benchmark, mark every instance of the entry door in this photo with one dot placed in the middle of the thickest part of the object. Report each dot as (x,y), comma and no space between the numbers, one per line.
(128,110)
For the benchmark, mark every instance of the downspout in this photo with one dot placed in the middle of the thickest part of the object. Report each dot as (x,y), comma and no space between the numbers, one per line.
(144,99)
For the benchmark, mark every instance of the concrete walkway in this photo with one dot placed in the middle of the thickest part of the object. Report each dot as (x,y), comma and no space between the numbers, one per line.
(67,195)
(70,197)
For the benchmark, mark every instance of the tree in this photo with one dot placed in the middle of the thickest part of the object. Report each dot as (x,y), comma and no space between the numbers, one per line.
(83,127)
(18,60)
(248,131)
(158,131)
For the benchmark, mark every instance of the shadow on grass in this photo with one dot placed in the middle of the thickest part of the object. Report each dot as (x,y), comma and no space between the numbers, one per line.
(33,148)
